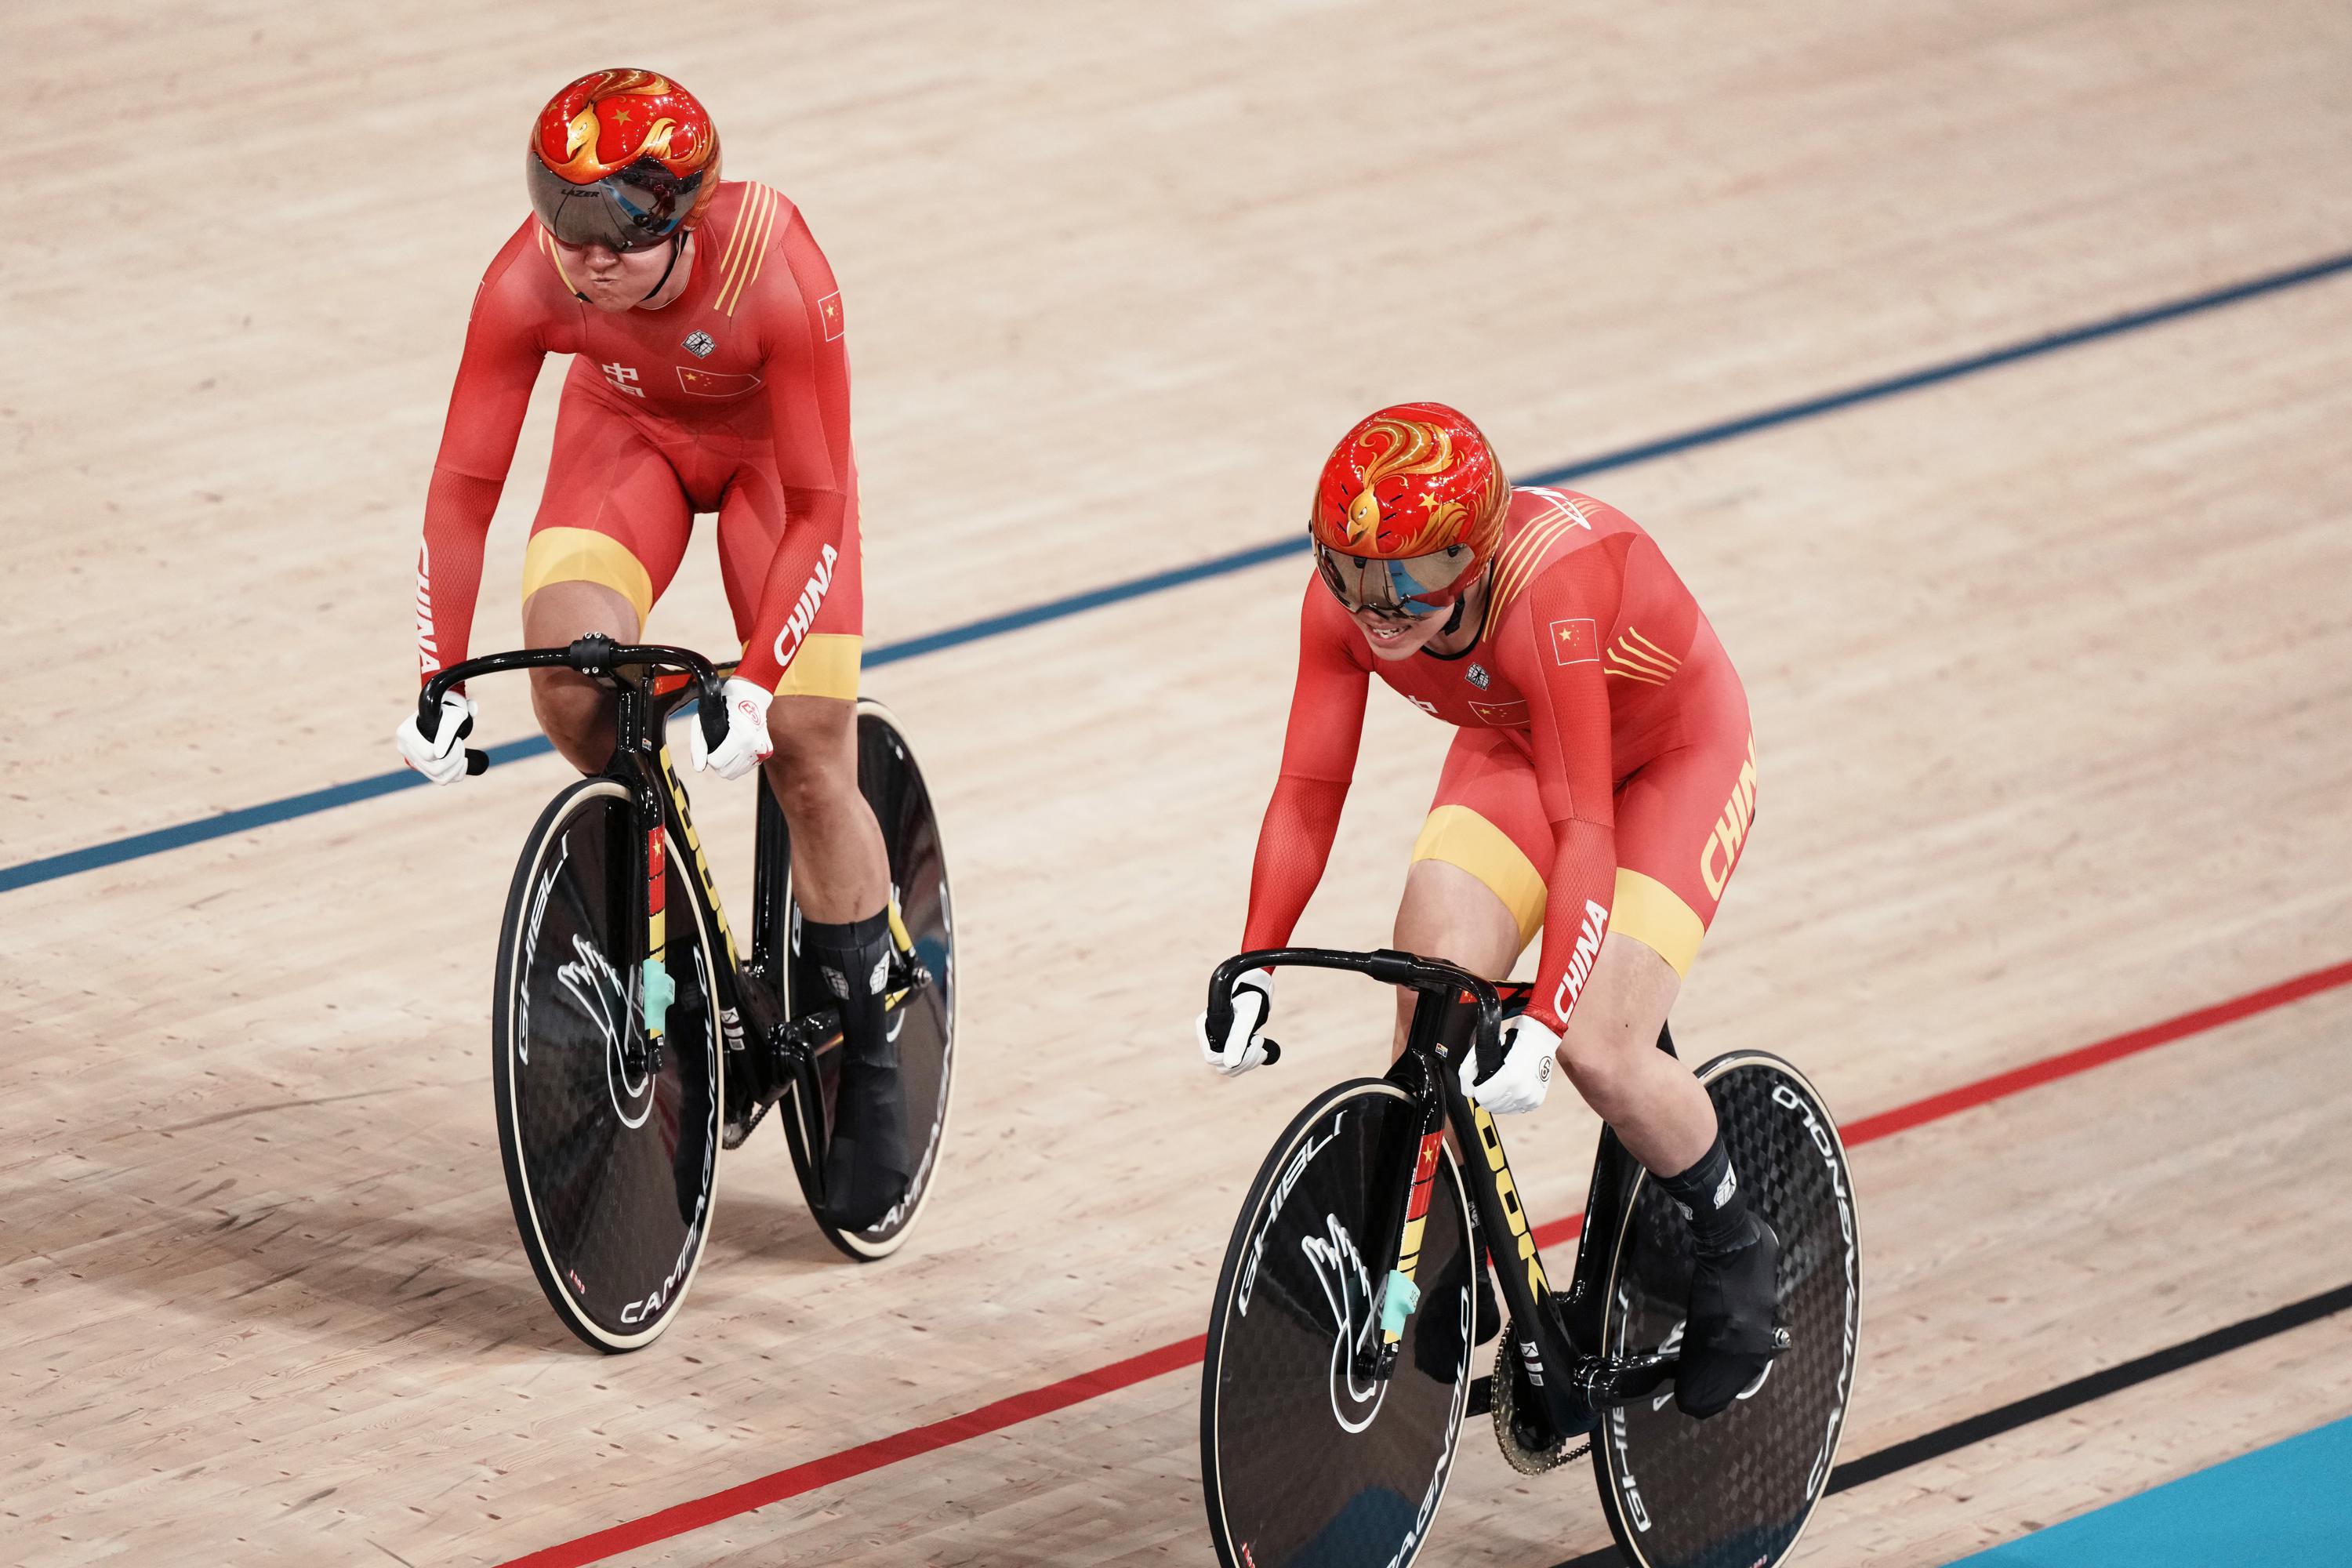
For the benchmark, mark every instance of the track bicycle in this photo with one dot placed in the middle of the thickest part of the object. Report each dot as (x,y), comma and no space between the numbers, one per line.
(1338,1372)
(631,1039)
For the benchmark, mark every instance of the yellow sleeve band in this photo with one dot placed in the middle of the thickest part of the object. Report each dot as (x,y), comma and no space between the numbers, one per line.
(1645,910)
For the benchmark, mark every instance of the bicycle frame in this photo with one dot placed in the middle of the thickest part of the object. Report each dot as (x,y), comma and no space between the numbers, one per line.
(1557,1341)
(748,1001)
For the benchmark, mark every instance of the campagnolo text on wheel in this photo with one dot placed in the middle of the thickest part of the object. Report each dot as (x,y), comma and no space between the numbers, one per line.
(1600,789)
(709,373)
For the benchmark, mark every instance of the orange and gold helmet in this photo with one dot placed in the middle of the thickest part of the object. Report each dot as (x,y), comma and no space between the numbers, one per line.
(622,158)
(1408,512)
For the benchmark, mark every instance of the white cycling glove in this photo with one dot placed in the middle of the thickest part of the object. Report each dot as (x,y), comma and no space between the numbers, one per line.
(747,745)
(1519,1084)
(1242,1048)
(441,759)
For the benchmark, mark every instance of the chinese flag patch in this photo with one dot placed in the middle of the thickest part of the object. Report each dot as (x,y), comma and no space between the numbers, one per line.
(715,383)
(1575,642)
(830,308)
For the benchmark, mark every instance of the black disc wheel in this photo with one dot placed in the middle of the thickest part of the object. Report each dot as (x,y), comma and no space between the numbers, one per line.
(1305,1461)
(610,1147)
(1736,1490)
(921,1022)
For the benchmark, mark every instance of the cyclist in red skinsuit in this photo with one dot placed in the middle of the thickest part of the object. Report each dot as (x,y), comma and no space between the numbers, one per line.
(710,373)
(1598,788)
(732,397)
(1604,748)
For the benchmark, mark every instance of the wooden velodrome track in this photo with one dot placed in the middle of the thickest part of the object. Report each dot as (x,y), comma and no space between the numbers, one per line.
(2051,659)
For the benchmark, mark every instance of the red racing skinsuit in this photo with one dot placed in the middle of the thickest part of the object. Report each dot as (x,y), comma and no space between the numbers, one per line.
(1604,775)
(732,398)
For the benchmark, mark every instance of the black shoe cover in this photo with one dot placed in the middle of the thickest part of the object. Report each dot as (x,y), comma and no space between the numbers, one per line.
(865,1173)
(1730,1334)
(866,1165)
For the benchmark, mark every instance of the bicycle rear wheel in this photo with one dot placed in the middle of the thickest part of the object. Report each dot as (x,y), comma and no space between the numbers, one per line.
(1303,1463)
(1736,1490)
(922,1027)
(611,1158)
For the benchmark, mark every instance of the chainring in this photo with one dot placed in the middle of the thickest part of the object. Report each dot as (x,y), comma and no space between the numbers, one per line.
(1526,1460)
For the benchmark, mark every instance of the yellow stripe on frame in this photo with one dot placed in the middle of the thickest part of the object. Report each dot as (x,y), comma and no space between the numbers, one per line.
(585,555)
(1654,915)
(1460,836)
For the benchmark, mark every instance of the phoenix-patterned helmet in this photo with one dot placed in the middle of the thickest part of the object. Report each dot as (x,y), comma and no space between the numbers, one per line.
(625,159)
(1408,512)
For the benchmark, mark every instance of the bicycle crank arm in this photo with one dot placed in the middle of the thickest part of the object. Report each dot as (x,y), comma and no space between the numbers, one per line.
(791,1045)
(1608,1380)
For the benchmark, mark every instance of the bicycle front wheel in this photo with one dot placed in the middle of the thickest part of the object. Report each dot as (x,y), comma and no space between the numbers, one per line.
(1304,1462)
(611,1152)
(1736,1490)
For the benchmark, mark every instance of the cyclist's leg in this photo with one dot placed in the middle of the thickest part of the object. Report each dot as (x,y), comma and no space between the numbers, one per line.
(611,526)
(841,872)
(1473,893)
(1681,822)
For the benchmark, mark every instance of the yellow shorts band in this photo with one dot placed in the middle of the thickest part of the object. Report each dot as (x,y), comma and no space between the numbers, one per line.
(1460,836)
(1654,915)
(824,665)
(585,555)
(1644,910)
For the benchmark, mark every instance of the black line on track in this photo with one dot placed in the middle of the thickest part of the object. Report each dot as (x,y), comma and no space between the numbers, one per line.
(1974,1429)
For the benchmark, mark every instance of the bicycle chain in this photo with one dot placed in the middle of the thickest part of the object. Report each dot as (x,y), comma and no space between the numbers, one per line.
(1526,1461)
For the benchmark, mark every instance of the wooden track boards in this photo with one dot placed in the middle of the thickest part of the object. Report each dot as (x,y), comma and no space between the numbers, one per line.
(2049,668)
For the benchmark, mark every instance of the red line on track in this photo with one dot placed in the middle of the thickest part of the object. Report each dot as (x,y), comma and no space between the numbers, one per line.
(1175,1357)
(865,1456)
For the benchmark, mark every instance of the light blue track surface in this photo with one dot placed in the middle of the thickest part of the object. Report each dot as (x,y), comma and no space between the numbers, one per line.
(2286,1506)
(50,868)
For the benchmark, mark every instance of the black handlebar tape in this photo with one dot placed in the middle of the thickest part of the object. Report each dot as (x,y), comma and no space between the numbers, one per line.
(712,714)
(429,724)
(1395,968)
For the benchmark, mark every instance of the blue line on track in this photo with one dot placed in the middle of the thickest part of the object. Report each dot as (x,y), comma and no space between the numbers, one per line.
(48,869)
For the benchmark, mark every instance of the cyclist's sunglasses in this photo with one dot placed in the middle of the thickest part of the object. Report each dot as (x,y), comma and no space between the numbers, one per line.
(1411,588)
(635,208)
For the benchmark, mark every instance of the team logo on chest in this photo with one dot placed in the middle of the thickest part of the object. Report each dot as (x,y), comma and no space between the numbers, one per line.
(1478,677)
(699,344)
